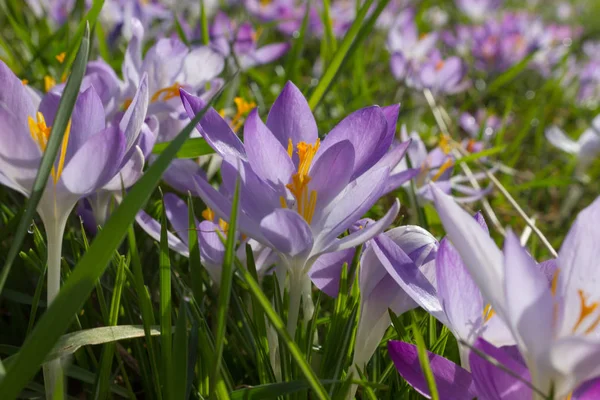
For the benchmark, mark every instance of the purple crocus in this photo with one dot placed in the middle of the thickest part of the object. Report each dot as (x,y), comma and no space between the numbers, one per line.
(119,16)
(484,381)
(379,290)
(442,76)
(240,42)
(298,194)
(287,13)
(91,157)
(211,233)
(436,166)
(478,10)
(445,289)
(482,124)
(555,326)
(57,10)
(585,149)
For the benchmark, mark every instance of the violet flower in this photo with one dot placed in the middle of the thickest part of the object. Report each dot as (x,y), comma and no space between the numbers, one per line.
(436,166)
(445,289)
(443,76)
(92,156)
(119,16)
(585,149)
(485,381)
(479,10)
(287,13)
(298,194)
(555,326)
(240,42)
(481,125)
(211,233)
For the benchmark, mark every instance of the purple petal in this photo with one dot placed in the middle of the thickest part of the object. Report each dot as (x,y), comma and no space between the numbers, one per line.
(588,391)
(366,129)
(95,163)
(331,172)
(129,174)
(291,118)
(152,228)
(494,383)
(270,53)
(266,155)
(326,270)
(212,249)
(452,382)
(178,215)
(288,232)
(180,175)
(201,65)
(14,95)
(133,119)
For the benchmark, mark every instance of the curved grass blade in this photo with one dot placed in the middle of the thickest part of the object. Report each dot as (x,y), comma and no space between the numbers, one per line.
(83,30)
(424,361)
(91,266)
(65,109)
(165,308)
(339,57)
(226,283)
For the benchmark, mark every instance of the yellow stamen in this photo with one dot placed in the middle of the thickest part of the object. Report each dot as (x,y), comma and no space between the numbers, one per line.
(61,57)
(222,112)
(49,83)
(127,103)
(554,282)
(447,164)
(167,93)
(305,201)
(208,214)
(63,77)
(243,109)
(24,82)
(265,3)
(446,144)
(290,149)
(488,312)
(586,311)
(40,133)
(223,225)
(256,34)
(282,202)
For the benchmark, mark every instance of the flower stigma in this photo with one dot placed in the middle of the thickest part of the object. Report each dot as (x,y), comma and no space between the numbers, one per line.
(305,201)
(167,93)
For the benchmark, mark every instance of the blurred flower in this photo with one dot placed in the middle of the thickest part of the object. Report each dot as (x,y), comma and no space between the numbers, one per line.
(437,166)
(443,76)
(485,381)
(241,43)
(211,233)
(479,10)
(119,16)
(57,10)
(555,326)
(481,124)
(585,149)
(287,13)
(298,194)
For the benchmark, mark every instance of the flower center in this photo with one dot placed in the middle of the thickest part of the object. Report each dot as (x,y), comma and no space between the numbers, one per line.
(488,312)
(305,201)
(167,93)
(209,215)
(49,83)
(40,133)
(439,65)
(586,308)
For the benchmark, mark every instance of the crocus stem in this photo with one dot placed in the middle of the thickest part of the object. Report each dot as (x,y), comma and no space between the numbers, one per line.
(294,308)
(55,229)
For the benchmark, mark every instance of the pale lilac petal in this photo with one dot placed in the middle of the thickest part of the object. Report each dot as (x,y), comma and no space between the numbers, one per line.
(492,382)
(287,231)
(575,359)
(366,129)
(326,270)
(331,172)
(408,276)
(14,95)
(269,159)
(178,215)
(129,174)
(577,261)
(265,55)
(367,232)
(212,249)
(391,116)
(399,179)
(458,293)
(152,227)
(481,256)
(214,129)
(87,119)
(95,163)
(201,65)
(291,118)
(560,140)
(180,175)
(133,119)
(452,382)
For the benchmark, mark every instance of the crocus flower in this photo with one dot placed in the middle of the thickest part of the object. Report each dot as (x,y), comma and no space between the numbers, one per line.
(481,124)
(379,291)
(478,10)
(119,16)
(444,289)
(241,43)
(299,194)
(485,381)
(287,13)
(442,76)
(211,233)
(57,10)
(436,166)
(585,149)
(407,47)
(555,326)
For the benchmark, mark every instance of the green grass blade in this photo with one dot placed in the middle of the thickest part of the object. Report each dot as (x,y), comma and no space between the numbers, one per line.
(318,389)
(226,283)
(195,266)
(180,355)
(82,30)
(165,308)
(63,114)
(339,57)
(204,24)
(295,54)
(192,148)
(91,266)
(424,361)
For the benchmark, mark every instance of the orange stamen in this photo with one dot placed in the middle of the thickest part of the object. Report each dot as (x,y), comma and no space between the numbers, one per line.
(208,214)
(305,201)
(488,312)
(447,164)
(40,133)
(61,57)
(49,83)
(167,93)
(586,311)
